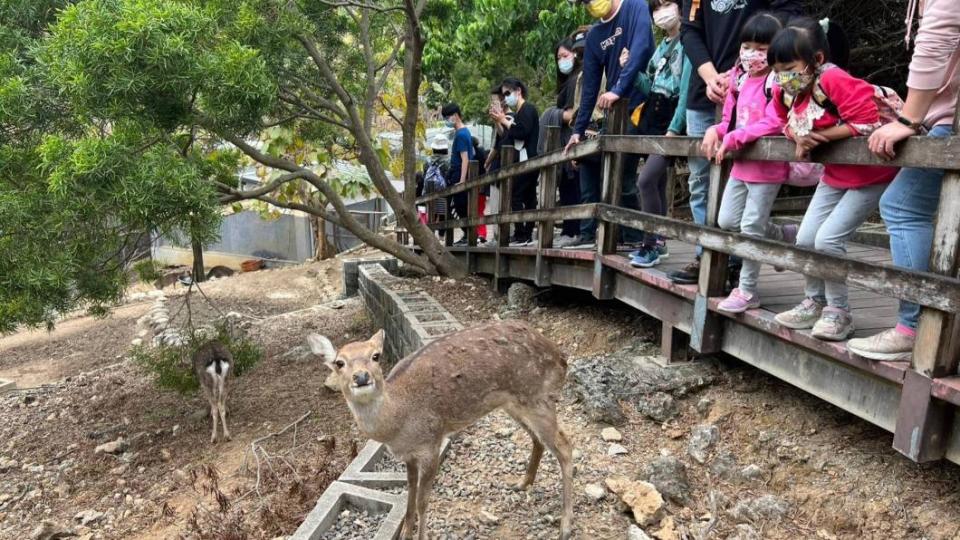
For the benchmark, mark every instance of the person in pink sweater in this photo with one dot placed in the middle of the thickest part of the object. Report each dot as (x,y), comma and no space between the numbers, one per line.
(910,203)
(820,102)
(753,185)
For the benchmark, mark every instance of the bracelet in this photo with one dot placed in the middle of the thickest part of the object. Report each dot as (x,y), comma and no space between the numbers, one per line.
(915,126)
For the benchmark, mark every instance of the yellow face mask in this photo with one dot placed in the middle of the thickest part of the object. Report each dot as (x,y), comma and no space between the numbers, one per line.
(599,9)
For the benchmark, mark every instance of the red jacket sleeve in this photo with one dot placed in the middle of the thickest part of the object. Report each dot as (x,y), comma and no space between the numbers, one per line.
(854,99)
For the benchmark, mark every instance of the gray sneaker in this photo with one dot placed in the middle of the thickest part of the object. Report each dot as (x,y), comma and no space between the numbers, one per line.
(564,241)
(834,325)
(802,317)
(888,346)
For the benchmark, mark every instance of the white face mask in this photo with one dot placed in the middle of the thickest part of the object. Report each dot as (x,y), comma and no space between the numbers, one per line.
(667,17)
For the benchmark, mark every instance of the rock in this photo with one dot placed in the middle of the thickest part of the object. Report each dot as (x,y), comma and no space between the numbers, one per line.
(118,446)
(759,508)
(595,492)
(724,465)
(165,454)
(668,530)
(616,450)
(176,430)
(745,532)
(600,382)
(704,405)
(488,519)
(332,382)
(611,434)
(636,533)
(136,342)
(642,498)
(119,470)
(49,530)
(669,475)
(505,433)
(752,472)
(521,297)
(702,439)
(659,406)
(88,517)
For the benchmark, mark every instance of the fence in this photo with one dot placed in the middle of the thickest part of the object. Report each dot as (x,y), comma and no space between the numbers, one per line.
(916,402)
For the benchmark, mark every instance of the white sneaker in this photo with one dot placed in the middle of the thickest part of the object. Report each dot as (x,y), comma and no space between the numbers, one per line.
(566,241)
(491,244)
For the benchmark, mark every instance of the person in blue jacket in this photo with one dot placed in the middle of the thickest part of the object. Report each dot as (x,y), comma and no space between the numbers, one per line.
(623,25)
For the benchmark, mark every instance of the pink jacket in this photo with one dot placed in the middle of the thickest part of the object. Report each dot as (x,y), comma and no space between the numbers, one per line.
(936,58)
(752,109)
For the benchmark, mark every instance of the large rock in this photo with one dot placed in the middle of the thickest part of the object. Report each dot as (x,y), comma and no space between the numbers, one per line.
(88,517)
(636,533)
(49,530)
(601,382)
(702,439)
(724,465)
(642,498)
(669,475)
(118,446)
(759,508)
(659,406)
(521,297)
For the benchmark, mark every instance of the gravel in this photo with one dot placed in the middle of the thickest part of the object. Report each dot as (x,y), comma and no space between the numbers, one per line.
(387,463)
(354,523)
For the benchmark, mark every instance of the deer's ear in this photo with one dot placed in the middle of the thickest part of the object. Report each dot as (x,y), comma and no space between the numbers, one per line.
(377,340)
(323,348)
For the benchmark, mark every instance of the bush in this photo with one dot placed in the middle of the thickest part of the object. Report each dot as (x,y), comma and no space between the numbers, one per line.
(171,365)
(147,270)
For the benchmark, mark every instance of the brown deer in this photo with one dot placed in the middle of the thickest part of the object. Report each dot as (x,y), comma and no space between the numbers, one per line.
(447,386)
(213,365)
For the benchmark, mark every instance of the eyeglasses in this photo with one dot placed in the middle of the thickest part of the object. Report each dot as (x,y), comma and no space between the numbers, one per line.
(507,93)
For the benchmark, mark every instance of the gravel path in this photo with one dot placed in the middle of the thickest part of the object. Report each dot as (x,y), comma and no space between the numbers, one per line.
(354,523)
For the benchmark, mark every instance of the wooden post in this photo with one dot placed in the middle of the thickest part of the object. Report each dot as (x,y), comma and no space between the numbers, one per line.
(473,211)
(548,199)
(674,344)
(603,277)
(508,156)
(706,330)
(924,423)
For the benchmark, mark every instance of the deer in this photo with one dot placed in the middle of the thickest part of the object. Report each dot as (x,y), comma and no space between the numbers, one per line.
(447,386)
(213,366)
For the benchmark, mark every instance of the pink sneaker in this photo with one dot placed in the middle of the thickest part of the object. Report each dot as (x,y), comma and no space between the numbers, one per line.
(739,301)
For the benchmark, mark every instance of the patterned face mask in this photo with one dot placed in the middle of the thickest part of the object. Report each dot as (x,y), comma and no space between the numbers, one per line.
(795,83)
(753,60)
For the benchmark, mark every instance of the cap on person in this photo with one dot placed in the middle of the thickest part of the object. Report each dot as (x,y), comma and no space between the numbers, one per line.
(439,143)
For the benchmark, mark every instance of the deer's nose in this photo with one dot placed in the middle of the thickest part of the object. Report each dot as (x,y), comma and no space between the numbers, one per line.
(361,378)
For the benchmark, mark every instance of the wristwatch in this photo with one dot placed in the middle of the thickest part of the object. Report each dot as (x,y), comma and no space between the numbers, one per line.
(915,126)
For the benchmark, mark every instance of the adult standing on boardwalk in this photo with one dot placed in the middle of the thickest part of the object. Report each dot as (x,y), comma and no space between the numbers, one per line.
(624,25)
(711,40)
(910,203)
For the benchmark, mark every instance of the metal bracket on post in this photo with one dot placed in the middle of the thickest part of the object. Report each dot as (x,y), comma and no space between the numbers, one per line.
(603,277)
(548,199)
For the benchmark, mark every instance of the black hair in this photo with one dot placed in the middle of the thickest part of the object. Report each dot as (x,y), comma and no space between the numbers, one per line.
(761,28)
(801,40)
(514,83)
(497,90)
(657,4)
(449,110)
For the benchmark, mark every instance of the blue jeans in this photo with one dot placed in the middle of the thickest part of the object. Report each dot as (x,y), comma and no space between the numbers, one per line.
(908,208)
(698,122)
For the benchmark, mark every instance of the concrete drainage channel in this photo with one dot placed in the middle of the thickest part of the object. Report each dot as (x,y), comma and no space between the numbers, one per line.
(374,483)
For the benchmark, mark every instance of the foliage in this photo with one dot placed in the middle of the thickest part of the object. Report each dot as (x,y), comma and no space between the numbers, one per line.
(171,365)
(147,270)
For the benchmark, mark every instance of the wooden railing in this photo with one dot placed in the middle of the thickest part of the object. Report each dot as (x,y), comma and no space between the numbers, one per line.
(922,420)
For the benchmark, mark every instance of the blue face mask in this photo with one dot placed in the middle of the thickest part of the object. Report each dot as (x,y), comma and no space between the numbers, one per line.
(449,123)
(511,101)
(565,66)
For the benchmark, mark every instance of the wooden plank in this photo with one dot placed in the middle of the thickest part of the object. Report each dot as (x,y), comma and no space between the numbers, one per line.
(580,211)
(674,345)
(603,277)
(473,211)
(705,335)
(781,206)
(916,152)
(927,438)
(924,288)
(548,200)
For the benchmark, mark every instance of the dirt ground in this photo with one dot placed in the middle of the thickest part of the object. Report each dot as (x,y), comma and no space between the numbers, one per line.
(838,474)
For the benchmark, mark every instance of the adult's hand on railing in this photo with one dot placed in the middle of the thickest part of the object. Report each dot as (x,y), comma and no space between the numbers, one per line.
(710,143)
(608,100)
(574,140)
(883,141)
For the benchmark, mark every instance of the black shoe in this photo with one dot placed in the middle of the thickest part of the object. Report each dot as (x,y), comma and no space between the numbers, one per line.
(519,241)
(688,275)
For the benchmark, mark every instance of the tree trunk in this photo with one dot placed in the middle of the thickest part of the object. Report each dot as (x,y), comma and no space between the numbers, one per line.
(198,273)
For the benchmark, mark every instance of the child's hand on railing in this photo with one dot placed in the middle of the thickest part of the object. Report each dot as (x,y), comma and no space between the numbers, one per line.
(721,153)
(807,143)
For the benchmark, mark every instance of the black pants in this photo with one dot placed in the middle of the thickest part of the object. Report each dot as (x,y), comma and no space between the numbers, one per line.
(459,204)
(652,185)
(569,196)
(524,198)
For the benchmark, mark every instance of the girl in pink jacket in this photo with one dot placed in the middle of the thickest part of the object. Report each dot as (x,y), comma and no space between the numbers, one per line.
(753,185)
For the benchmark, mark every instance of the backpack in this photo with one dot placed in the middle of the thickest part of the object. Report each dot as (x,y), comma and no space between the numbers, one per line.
(435,179)
(481,154)
(889,104)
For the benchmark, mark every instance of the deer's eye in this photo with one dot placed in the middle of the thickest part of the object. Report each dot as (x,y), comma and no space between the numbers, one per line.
(376,357)
(339,364)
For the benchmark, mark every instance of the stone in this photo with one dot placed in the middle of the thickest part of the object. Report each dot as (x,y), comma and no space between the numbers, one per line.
(521,297)
(88,517)
(611,434)
(659,406)
(136,342)
(702,439)
(119,470)
(704,405)
(616,450)
(752,472)
(598,383)
(724,465)
(636,533)
(118,446)
(595,492)
(488,518)
(332,382)
(745,532)
(759,508)
(642,498)
(669,475)
(668,530)
(49,530)
(505,433)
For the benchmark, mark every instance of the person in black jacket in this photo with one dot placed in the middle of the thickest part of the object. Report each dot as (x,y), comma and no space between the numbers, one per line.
(710,34)
(523,132)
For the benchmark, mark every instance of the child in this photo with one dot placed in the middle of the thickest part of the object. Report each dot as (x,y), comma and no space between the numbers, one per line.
(753,186)
(821,102)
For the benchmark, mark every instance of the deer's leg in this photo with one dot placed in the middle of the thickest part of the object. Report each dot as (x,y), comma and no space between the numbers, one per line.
(535,454)
(222,407)
(214,413)
(542,420)
(410,518)
(428,472)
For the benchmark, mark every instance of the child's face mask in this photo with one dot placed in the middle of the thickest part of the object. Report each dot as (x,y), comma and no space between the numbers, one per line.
(667,18)
(796,82)
(753,60)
